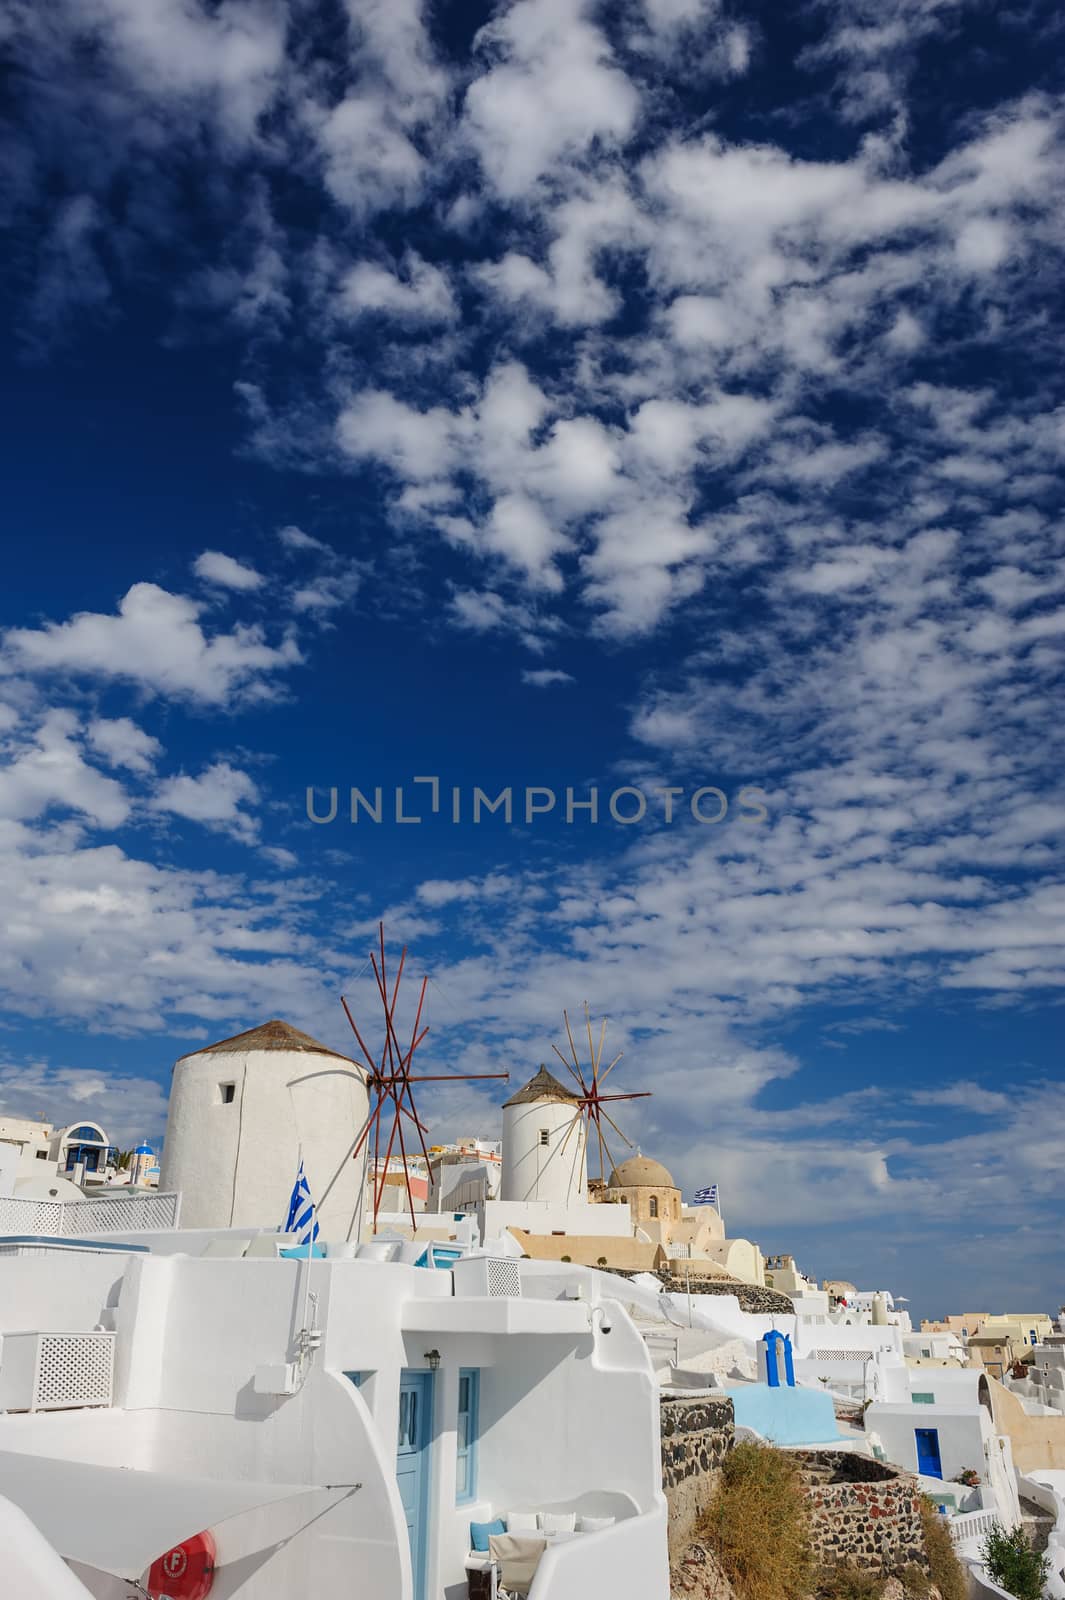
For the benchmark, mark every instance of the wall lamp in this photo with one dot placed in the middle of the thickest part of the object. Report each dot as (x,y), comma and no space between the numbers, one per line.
(432,1359)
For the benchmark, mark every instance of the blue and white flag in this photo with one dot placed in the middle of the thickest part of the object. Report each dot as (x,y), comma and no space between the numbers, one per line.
(301,1218)
(707,1196)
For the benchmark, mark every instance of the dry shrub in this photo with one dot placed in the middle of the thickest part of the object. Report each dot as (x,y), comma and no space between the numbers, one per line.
(756,1525)
(916,1583)
(848,1583)
(948,1574)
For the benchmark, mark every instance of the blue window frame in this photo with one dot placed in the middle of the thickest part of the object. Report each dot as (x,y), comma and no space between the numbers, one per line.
(469,1405)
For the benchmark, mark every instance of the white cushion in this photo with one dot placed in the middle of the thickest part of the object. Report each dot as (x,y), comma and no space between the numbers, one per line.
(596,1524)
(522,1522)
(557,1521)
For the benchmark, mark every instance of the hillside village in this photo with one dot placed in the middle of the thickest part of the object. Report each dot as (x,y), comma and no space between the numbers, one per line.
(579,1369)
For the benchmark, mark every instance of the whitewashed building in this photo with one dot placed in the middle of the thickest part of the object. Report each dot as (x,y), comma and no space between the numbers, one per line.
(335,1425)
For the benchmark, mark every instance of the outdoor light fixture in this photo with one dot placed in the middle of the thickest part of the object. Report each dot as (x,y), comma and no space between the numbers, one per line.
(432,1358)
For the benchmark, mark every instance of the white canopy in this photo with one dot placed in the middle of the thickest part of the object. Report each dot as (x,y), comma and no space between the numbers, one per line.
(119,1520)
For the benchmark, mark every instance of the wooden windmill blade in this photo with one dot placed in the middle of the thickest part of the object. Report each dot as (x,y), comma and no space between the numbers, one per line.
(390,1081)
(578,1080)
(591,1101)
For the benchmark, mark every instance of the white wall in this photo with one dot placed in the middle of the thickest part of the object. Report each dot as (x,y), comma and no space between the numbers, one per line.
(962,1434)
(67,1295)
(812,1337)
(558,1422)
(235,1164)
(10,1167)
(554,1172)
(541,1216)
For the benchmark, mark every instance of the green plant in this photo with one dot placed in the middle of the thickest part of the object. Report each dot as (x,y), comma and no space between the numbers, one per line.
(755,1524)
(565,1258)
(947,1572)
(602,1261)
(848,1583)
(1013,1564)
(968,1476)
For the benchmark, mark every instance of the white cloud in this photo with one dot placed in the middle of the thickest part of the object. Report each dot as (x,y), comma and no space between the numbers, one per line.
(278,856)
(328,592)
(545,677)
(420,293)
(123,744)
(551,92)
(120,945)
(487,611)
(370,160)
(982,244)
(416,444)
(128,1108)
(214,567)
(156,642)
(216,798)
(50,773)
(293,538)
(370,138)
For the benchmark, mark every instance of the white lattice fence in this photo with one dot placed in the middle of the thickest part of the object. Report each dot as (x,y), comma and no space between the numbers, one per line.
(121,1213)
(73,1369)
(30,1216)
(132,1213)
(504,1277)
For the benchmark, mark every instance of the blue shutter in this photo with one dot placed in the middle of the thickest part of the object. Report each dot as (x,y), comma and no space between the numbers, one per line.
(466,1464)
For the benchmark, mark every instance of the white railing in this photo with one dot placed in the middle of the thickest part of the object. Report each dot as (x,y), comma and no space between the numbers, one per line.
(669,1342)
(970,1527)
(131,1213)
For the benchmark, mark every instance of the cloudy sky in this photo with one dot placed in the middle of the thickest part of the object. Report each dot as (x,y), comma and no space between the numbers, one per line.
(655,396)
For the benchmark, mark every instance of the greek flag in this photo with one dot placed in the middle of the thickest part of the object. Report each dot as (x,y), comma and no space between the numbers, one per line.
(301,1218)
(707,1196)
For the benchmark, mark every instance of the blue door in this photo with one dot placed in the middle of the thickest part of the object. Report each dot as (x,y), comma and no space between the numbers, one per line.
(928,1460)
(412,1465)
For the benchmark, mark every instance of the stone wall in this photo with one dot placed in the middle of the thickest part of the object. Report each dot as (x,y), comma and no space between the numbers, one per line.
(697,1435)
(762,1302)
(862,1512)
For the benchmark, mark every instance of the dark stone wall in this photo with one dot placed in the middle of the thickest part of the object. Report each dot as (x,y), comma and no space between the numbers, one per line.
(697,1435)
(862,1512)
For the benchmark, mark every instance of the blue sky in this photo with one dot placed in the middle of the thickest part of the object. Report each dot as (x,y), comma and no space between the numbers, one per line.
(651,395)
